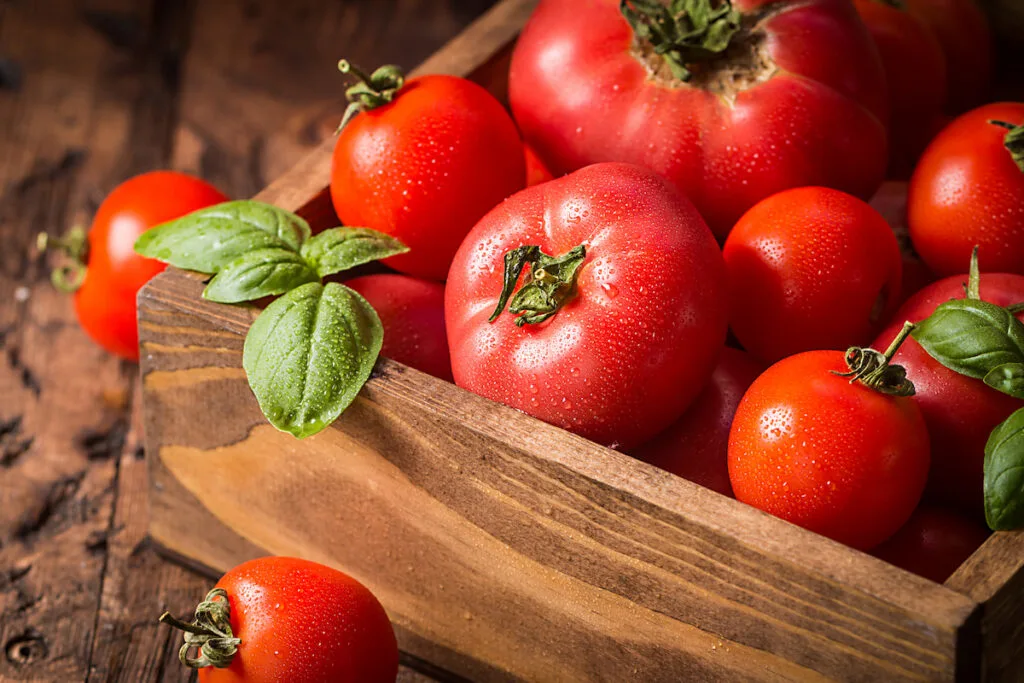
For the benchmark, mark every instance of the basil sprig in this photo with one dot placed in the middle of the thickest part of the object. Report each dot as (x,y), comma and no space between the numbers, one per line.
(1004,475)
(309,352)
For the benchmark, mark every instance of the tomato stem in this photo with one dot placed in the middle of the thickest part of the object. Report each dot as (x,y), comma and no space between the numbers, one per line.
(75,246)
(372,91)
(550,283)
(1013,142)
(874,369)
(210,633)
(973,289)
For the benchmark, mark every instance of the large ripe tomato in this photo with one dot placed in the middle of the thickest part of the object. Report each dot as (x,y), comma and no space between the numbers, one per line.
(300,622)
(412,313)
(968,190)
(810,268)
(424,164)
(964,34)
(933,543)
(696,446)
(837,457)
(960,411)
(915,71)
(781,93)
(619,330)
(105,300)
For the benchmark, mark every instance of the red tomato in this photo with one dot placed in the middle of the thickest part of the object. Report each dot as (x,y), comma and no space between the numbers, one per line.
(426,167)
(837,457)
(968,190)
(105,301)
(536,171)
(696,446)
(933,543)
(631,343)
(810,268)
(891,202)
(798,98)
(960,411)
(915,71)
(964,34)
(302,622)
(412,313)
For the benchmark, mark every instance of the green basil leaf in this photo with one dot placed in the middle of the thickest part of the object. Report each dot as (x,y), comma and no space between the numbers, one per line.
(1004,475)
(1008,379)
(309,353)
(338,249)
(972,337)
(259,273)
(210,239)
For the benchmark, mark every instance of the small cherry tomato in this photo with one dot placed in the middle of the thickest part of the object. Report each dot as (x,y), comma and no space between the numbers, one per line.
(696,446)
(839,457)
(536,171)
(288,619)
(968,190)
(810,268)
(423,161)
(933,543)
(412,313)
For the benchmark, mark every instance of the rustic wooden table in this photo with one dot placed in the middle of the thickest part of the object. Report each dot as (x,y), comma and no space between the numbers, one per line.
(92,92)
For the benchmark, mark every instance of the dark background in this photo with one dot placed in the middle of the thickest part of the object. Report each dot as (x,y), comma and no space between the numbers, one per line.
(92,92)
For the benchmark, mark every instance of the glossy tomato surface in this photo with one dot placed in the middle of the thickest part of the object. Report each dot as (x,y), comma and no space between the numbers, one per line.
(412,313)
(302,622)
(639,337)
(835,457)
(426,167)
(960,411)
(811,268)
(696,446)
(967,191)
(798,99)
(933,543)
(105,303)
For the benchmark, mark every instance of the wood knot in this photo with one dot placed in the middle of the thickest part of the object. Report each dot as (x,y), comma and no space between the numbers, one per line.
(28,648)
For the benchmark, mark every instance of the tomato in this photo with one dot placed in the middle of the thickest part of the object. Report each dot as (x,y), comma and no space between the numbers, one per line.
(412,313)
(891,202)
(960,411)
(915,71)
(301,622)
(795,96)
(811,268)
(536,171)
(968,190)
(424,164)
(933,543)
(966,39)
(837,457)
(696,446)
(105,299)
(623,310)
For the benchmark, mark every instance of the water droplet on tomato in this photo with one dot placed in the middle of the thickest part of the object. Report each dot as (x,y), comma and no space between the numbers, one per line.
(610,290)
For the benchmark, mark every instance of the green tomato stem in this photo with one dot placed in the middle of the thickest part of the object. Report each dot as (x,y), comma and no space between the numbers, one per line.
(210,633)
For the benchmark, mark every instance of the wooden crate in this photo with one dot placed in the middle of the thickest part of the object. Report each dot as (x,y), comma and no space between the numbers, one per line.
(505,549)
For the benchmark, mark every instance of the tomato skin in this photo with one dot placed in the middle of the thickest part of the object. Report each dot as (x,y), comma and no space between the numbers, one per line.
(832,456)
(933,543)
(105,303)
(967,191)
(696,445)
(960,411)
(536,171)
(302,622)
(915,72)
(580,96)
(426,167)
(412,313)
(636,344)
(810,268)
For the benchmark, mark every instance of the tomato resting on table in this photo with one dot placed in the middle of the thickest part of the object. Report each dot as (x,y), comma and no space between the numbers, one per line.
(616,324)
(767,96)
(933,543)
(810,268)
(968,190)
(423,160)
(113,272)
(278,619)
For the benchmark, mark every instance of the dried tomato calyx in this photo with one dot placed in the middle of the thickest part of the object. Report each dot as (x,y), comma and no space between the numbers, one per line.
(874,369)
(372,91)
(550,283)
(1014,141)
(210,633)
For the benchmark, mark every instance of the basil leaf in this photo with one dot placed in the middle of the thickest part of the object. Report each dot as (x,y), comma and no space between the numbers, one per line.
(1004,475)
(210,239)
(1008,379)
(338,249)
(258,273)
(309,353)
(972,337)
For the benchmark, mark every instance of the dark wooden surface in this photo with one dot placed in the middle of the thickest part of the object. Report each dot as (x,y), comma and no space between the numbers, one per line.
(92,92)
